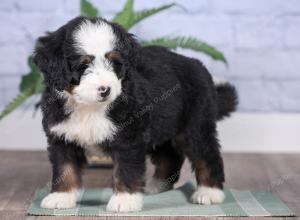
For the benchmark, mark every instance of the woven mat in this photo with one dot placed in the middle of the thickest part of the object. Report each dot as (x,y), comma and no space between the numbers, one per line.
(172,203)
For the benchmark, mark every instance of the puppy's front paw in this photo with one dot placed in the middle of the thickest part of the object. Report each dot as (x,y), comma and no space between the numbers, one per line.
(59,200)
(125,202)
(207,195)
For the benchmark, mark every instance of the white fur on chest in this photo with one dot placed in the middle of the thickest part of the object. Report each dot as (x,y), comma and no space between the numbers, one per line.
(86,126)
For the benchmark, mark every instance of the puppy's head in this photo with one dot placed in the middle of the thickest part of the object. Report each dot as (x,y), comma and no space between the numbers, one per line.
(86,59)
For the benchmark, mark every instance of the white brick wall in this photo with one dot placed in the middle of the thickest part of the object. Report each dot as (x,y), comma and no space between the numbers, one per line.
(261,40)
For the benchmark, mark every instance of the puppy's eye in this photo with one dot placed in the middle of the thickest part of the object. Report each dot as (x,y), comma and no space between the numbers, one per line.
(114,57)
(87,59)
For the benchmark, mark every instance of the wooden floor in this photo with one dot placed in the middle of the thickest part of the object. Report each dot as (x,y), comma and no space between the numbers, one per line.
(21,173)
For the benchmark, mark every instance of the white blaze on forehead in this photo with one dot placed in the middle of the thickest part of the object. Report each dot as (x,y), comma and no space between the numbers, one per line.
(94,38)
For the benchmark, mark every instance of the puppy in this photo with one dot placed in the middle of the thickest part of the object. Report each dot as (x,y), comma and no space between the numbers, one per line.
(102,89)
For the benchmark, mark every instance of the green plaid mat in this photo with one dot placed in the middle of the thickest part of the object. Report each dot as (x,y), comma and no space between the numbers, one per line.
(173,203)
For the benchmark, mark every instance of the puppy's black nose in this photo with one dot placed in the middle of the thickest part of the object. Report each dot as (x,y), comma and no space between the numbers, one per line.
(104,91)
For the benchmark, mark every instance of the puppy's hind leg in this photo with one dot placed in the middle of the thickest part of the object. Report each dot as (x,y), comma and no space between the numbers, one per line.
(207,163)
(167,161)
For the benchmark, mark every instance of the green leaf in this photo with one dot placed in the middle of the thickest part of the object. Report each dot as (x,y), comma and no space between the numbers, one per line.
(126,16)
(87,9)
(141,15)
(188,43)
(16,102)
(31,84)
(33,80)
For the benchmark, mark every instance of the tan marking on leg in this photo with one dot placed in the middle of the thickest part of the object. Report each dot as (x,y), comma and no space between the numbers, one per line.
(203,175)
(163,168)
(69,179)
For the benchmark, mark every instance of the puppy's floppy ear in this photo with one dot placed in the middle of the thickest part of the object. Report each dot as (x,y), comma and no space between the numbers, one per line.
(133,47)
(128,44)
(50,58)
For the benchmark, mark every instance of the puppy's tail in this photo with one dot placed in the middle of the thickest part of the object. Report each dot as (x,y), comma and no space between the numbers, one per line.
(227,98)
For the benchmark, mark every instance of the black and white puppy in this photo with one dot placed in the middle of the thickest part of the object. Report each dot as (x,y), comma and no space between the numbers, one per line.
(104,90)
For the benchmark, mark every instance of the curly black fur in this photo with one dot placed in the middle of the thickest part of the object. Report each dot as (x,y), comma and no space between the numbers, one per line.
(227,100)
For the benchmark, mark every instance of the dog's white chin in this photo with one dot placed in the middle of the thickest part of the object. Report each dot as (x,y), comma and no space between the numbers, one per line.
(125,202)
(95,103)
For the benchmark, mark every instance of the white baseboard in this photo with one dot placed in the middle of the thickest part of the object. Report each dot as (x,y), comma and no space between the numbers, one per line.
(22,131)
(243,132)
(261,133)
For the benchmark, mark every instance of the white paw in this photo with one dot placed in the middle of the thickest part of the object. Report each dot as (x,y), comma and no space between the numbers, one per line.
(154,186)
(60,200)
(207,195)
(125,202)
